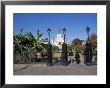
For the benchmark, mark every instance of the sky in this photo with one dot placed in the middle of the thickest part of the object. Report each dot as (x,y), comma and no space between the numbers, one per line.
(75,24)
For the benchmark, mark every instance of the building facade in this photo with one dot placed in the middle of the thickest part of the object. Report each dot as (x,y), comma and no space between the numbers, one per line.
(58,41)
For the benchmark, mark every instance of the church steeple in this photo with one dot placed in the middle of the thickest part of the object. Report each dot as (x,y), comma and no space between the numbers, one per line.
(58,41)
(59,31)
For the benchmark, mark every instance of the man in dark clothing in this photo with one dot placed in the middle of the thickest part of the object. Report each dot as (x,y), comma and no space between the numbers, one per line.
(77,57)
(71,56)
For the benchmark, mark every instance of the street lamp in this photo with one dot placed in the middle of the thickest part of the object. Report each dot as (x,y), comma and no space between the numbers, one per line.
(64,60)
(88,29)
(88,50)
(64,32)
(49,50)
(49,30)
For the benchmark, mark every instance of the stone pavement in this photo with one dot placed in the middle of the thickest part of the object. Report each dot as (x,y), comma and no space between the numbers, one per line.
(43,69)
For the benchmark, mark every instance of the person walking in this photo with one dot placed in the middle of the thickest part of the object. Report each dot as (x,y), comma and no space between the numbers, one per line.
(71,56)
(77,57)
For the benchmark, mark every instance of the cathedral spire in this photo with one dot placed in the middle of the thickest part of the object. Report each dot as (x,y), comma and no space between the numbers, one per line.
(59,31)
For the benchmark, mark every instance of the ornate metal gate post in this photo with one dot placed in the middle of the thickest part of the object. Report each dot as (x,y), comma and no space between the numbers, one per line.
(88,50)
(49,50)
(64,51)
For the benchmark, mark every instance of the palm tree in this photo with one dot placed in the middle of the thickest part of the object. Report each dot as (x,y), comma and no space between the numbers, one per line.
(18,39)
(27,42)
(18,44)
(38,44)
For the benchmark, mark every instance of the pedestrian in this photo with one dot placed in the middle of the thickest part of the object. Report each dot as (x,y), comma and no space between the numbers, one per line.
(77,57)
(95,60)
(71,56)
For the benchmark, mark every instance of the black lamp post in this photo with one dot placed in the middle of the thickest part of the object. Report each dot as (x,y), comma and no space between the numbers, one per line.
(49,50)
(64,32)
(88,50)
(64,60)
(49,30)
(88,29)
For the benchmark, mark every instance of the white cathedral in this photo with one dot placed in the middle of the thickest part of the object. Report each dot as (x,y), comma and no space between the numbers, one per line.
(58,41)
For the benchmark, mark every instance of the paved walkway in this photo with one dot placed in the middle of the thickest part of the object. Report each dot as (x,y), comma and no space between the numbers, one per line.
(43,69)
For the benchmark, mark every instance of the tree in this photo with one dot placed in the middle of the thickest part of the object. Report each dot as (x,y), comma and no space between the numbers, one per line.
(55,48)
(27,43)
(70,47)
(18,41)
(20,44)
(77,41)
(77,44)
(38,44)
(23,41)
(93,40)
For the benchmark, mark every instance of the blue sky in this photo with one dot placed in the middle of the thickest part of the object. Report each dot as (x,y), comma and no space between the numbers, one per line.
(75,23)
